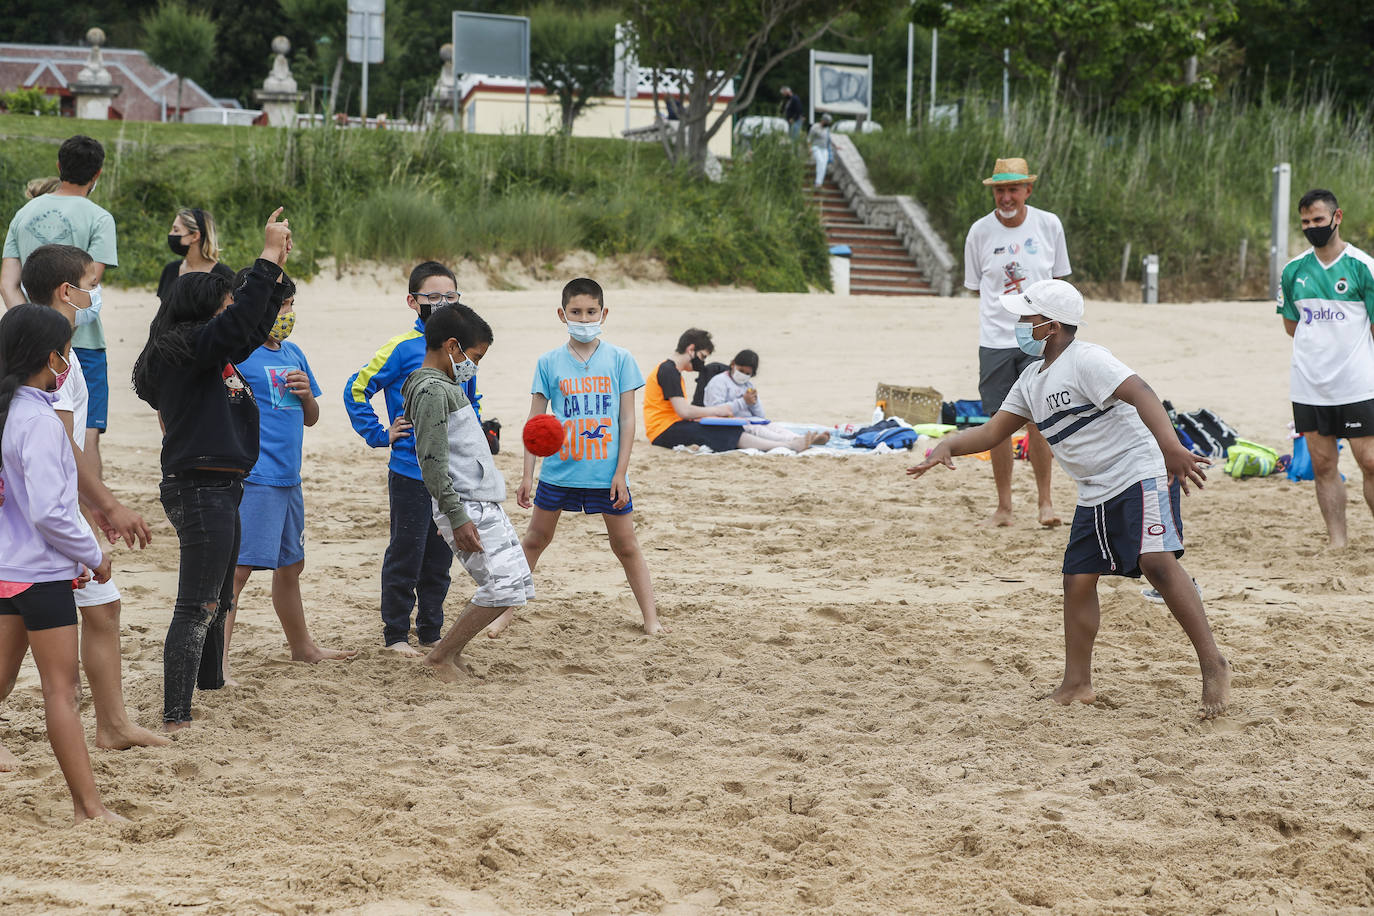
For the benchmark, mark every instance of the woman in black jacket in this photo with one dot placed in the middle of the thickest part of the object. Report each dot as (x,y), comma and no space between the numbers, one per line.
(210,442)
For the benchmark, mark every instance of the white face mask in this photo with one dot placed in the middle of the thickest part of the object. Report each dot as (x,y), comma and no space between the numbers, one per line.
(584,331)
(740,378)
(464,371)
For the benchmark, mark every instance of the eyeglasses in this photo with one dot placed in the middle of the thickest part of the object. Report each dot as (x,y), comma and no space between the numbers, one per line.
(436,298)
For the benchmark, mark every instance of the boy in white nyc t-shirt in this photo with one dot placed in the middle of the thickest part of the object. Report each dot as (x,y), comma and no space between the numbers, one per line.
(1109,431)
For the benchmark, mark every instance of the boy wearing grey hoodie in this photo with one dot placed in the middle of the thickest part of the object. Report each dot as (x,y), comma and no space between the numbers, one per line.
(462,480)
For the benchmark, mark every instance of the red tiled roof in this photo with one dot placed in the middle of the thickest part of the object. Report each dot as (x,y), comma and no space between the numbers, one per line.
(144,84)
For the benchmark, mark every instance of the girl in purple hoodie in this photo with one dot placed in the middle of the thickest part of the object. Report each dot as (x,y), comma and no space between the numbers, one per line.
(44,552)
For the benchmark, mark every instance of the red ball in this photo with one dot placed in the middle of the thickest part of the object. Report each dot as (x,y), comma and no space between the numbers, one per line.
(543,435)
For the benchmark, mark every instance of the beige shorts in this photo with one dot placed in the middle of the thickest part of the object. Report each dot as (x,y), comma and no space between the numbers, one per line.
(503,577)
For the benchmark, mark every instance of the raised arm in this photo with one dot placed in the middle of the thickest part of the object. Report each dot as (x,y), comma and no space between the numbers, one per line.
(241,328)
(1182,464)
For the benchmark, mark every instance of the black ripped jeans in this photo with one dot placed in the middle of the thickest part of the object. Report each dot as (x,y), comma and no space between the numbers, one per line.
(203,507)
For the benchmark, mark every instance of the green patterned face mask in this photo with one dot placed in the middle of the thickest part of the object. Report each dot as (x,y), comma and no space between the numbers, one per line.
(281,328)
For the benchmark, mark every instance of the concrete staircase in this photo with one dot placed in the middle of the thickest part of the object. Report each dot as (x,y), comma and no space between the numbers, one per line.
(881,264)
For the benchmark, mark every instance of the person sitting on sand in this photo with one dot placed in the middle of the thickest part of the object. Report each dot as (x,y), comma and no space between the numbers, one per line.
(670,419)
(1110,433)
(735,387)
(464,485)
(45,549)
(272,513)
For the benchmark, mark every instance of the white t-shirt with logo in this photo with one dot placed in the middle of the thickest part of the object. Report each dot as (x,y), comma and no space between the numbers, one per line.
(75,396)
(1098,439)
(999,261)
(1333,350)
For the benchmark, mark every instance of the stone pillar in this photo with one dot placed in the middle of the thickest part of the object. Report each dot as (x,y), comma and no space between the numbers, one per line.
(278,95)
(93,89)
(440,106)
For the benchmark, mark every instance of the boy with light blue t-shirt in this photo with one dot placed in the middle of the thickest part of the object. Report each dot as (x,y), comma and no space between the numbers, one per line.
(272,513)
(589,385)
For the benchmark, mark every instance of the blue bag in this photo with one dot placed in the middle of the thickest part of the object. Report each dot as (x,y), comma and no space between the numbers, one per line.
(889,432)
(1300,468)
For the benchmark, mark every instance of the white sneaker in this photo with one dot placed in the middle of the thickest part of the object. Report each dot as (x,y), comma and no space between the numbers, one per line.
(1152,594)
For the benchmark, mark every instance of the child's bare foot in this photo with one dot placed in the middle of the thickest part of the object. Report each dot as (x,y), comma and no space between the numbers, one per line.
(316,654)
(404,649)
(128,735)
(656,627)
(99,813)
(8,762)
(169,728)
(1048,517)
(819,438)
(498,626)
(230,681)
(450,672)
(999,519)
(1216,690)
(1066,694)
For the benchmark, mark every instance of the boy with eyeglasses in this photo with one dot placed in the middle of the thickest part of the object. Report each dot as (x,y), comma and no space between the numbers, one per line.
(415,569)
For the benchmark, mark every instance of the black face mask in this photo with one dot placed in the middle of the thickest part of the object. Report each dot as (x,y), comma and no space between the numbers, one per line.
(698,364)
(425,310)
(179,248)
(1319,235)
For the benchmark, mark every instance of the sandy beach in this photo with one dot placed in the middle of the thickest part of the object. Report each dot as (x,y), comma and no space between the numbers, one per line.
(845,718)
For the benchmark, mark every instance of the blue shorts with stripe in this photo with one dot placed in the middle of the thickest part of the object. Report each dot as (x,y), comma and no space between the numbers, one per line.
(1108,539)
(553,498)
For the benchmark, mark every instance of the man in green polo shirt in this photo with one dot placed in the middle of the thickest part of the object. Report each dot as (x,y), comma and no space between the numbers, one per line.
(67,216)
(1327,301)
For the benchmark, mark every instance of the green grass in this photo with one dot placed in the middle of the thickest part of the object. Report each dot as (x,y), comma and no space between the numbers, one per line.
(1189,191)
(399,198)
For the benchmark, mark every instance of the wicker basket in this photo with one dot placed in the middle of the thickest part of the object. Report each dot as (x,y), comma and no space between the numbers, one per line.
(914,405)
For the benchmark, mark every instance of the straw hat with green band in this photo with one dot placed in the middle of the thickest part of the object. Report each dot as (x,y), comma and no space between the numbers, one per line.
(1010,171)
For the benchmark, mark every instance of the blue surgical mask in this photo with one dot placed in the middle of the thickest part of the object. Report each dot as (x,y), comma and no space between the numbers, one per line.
(584,331)
(1028,344)
(95,298)
(464,371)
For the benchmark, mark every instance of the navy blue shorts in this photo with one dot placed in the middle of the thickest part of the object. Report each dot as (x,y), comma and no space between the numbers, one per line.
(96,368)
(1108,539)
(552,498)
(43,605)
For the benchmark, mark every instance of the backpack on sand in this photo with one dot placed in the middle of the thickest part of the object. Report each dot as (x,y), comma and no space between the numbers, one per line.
(1250,459)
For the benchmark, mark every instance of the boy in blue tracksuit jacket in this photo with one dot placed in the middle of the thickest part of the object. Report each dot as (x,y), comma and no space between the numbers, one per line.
(416,565)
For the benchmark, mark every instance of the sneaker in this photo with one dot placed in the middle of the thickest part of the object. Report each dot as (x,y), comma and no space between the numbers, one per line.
(1152,594)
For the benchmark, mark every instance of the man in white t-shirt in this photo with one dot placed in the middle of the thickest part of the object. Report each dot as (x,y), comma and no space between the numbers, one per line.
(62,277)
(1111,434)
(1327,302)
(1012,247)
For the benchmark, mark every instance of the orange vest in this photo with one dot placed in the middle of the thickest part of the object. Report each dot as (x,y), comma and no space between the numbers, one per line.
(658,410)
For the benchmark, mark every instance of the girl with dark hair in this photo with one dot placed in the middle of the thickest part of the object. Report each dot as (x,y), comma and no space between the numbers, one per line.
(186,372)
(45,551)
(195,242)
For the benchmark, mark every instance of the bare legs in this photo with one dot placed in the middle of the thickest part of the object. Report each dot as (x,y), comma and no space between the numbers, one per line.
(445,659)
(1082,615)
(101,658)
(755,437)
(624,544)
(55,655)
(1330,488)
(1331,495)
(286,601)
(1042,462)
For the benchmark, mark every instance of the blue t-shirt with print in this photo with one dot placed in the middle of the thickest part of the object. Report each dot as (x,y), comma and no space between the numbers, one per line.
(281,419)
(586,400)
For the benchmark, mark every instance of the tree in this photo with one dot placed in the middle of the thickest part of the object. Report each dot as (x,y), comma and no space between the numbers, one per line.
(573,55)
(181,41)
(1100,53)
(707,46)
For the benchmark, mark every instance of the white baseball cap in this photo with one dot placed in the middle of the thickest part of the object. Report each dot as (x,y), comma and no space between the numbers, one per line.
(1057,300)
